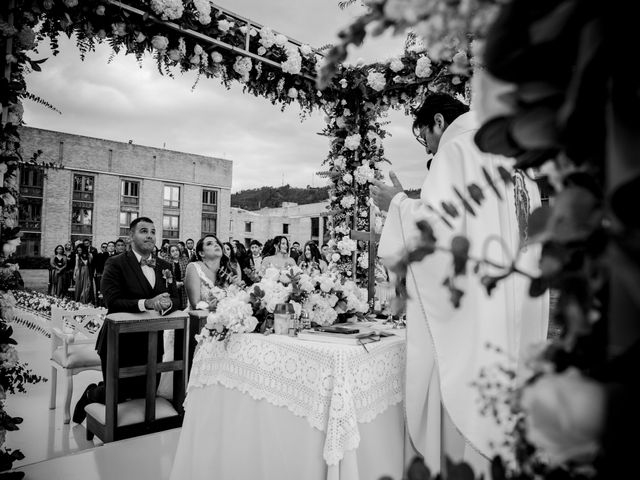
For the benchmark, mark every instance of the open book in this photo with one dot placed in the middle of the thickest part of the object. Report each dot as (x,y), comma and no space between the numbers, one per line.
(362,337)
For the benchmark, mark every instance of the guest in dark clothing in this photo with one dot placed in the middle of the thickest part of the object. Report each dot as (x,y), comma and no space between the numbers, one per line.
(99,260)
(178,268)
(58,264)
(132,282)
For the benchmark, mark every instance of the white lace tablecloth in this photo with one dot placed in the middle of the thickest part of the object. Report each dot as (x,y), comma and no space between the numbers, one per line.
(334,387)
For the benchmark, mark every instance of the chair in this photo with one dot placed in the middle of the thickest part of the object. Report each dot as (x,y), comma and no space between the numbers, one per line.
(116,421)
(73,339)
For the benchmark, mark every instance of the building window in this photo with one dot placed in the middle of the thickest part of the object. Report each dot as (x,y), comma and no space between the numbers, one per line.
(170,227)
(247,227)
(285,229)
(30,214)
(83,187)
(315,227)
(81,218)
(209,197)
(130,193)
(125,220)
(31,181)
(209,224)
(171,197)
(29,245)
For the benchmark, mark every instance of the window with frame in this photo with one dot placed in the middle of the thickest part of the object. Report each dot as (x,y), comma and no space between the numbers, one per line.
(247,227)
(209,197)
(125,220)
(285,229)
(315,226)
(130,193)
(30,213)
(209,224)
(170,227)
(31,181)
(83,187)
(81,218)
(171,198)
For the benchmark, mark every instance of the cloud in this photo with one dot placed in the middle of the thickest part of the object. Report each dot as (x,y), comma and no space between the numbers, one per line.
(122,100)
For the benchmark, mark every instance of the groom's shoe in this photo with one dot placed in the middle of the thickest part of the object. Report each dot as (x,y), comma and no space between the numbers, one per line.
(78,413)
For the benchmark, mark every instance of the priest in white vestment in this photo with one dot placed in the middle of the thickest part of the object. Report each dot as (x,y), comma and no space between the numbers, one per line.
(447,346)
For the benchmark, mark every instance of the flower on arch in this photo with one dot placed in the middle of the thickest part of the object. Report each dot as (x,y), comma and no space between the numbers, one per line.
(352,142)
(423,67)
(203,7)
(243,66)
(376,81)
(160,43)
(168,9)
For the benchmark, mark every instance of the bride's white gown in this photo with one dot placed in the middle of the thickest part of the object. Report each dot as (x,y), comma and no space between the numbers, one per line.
(165,387)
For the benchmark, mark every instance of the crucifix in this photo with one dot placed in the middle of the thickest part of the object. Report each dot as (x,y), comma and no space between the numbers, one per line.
(372,238)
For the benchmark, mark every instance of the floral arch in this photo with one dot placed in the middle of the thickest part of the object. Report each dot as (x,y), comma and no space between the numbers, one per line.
(194,35)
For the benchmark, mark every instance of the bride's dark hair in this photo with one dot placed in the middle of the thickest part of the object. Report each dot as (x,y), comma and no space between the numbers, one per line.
(224,275)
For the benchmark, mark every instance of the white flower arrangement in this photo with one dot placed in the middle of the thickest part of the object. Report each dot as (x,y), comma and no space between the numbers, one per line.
(423,67)
(352,142)
(347,246)
(243,66)
(347,201)
(225,25)
(168,9)
(376,81)
(203,7)
(364,174)
(267,37)
(293,64)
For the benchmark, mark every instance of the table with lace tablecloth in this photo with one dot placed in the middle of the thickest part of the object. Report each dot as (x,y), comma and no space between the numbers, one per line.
(279,407)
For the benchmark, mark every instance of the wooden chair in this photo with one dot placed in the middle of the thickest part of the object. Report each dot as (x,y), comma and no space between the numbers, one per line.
(73,340)
(116,421)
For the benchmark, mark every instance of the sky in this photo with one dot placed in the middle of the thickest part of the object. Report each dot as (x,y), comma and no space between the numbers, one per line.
(121,101)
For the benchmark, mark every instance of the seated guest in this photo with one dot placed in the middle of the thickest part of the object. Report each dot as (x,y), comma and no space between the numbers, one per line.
(131,282)
(310,260)
(281,258)
(210,270)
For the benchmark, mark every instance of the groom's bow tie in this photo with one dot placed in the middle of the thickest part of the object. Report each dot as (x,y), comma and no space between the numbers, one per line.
(149,262)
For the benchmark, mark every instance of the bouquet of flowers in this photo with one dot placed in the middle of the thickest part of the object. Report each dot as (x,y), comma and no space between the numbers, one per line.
(232,314)
(331,298)
(278,286)
(211,299)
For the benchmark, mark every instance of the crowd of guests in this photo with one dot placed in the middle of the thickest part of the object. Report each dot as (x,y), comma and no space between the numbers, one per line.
(76,269)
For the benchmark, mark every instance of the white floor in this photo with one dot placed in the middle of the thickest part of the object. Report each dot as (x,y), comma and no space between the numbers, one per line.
(47,442)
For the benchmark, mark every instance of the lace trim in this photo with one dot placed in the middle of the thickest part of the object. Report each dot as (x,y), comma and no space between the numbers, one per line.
(334,387)
(203,277)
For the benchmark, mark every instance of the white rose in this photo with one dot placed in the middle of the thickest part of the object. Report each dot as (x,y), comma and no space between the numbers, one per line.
(292,93)
(335,257)
(352,142)
(305,50)
(396,65)
(423,67)
(281,40)
(564,415)
(216,57)
(224,25)
(160,42)
(347,178)
(262,50)
(376,81)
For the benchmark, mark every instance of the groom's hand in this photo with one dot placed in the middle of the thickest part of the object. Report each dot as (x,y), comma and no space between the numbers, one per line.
(382,194)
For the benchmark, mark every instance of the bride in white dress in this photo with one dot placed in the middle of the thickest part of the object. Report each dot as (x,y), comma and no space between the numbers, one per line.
(211,270)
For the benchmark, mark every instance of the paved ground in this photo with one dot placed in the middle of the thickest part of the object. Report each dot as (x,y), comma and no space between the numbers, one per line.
(37,280)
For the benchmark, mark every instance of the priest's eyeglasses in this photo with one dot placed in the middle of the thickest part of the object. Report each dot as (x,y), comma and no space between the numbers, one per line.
(417,132)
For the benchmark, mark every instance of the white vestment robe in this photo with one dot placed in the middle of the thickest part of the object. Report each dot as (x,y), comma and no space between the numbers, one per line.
(446,346)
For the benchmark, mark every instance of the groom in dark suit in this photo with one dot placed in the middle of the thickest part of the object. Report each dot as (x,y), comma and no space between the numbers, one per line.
(131,282)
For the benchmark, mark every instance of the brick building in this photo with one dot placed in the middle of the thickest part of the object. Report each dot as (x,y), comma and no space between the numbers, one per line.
(99,186)
(299,223)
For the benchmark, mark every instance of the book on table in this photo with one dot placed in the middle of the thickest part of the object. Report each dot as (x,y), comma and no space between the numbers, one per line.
(359,337)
